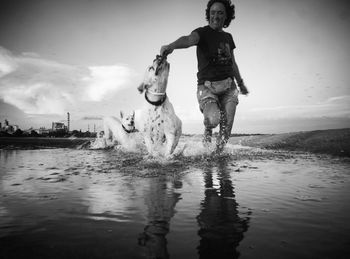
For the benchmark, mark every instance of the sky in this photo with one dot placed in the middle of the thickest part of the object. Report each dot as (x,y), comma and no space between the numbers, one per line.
(88,57)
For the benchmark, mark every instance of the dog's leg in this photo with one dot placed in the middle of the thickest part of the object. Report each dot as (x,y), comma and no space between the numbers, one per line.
(106,136)
(107,130)
(178,132)
(170,144)
(174,140)
(149,145)
(173,136)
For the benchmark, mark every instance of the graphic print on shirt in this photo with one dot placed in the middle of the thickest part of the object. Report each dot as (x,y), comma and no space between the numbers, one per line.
(223,55)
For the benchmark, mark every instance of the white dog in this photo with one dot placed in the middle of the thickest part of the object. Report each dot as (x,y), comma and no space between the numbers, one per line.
(120,132)
(161,127)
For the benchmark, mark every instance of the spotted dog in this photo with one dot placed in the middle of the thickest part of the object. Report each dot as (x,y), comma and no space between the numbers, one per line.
(161,127)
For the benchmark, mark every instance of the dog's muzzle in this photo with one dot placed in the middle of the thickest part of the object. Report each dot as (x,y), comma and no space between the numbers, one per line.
(160,61)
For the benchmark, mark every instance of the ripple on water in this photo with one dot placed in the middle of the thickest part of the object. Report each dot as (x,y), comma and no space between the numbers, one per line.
(273,197)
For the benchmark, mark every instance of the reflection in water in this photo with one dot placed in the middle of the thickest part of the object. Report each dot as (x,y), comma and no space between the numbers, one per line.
(62,203)
(221,228)
(160,199)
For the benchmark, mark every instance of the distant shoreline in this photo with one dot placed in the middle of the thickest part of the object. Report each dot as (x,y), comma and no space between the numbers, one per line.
(334,142)
(40,142)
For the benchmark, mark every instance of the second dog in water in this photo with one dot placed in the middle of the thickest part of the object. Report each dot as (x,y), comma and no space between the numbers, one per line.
(121,132)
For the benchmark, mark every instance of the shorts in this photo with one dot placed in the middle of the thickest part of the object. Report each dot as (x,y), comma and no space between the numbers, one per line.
(206,95)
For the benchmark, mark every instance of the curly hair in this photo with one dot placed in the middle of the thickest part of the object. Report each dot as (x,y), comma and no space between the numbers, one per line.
(230,10)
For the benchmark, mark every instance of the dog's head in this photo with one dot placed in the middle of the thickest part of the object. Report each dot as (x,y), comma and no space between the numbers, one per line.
(156,76)
(128,120)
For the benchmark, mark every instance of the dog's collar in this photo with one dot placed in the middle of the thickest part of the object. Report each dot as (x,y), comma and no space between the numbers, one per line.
(156,103)
(155,93)
(128,131)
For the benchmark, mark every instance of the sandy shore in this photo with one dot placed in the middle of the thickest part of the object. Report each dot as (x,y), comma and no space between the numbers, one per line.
(334,142)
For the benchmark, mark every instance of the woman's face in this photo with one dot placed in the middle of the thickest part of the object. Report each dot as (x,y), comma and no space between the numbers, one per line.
(217,16)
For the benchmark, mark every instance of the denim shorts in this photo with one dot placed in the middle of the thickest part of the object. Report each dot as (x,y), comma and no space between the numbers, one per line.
(205,95)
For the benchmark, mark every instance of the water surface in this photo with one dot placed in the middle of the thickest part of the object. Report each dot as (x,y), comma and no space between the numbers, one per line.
(247,203)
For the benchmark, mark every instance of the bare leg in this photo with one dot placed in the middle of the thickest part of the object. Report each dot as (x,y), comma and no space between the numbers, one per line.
(227,118)
(211,113)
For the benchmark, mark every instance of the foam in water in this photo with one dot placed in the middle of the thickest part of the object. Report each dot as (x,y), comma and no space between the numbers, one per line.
(189,147)
(136,145)
(98,143)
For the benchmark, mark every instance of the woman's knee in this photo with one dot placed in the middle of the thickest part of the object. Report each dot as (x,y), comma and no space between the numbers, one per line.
(211,116)
(211,122)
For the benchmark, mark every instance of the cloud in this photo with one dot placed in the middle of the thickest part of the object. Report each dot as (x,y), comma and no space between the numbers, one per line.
(7,63)
(92,118)
(343,99)
(37,98)
(106,80)
(39,86)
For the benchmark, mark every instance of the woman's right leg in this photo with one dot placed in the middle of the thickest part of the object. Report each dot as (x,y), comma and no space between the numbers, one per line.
(211,113)
(208,104)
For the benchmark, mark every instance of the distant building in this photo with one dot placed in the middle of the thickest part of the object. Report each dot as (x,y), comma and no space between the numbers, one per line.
(28,131)
(59,127)
(44,131)
(8,128)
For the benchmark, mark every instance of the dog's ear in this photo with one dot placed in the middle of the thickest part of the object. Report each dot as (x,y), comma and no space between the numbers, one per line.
(121,114)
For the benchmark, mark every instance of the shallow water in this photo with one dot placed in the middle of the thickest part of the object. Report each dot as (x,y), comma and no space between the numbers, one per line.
(247,203)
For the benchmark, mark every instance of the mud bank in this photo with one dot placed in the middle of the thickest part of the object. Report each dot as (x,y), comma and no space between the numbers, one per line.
(40,143)
(333,142)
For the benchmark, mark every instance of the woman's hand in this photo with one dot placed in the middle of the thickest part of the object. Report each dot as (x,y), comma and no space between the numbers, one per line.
(166,50)
(243,89)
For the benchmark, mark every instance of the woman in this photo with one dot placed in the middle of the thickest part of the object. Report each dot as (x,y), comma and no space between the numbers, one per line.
(217,70)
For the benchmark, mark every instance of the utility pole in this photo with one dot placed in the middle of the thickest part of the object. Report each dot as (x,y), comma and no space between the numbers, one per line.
(68,122)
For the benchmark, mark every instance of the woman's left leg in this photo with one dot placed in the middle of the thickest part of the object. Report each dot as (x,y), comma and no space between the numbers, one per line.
(228,104)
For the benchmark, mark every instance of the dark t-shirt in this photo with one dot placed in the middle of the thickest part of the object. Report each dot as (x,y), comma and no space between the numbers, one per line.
(214,54)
